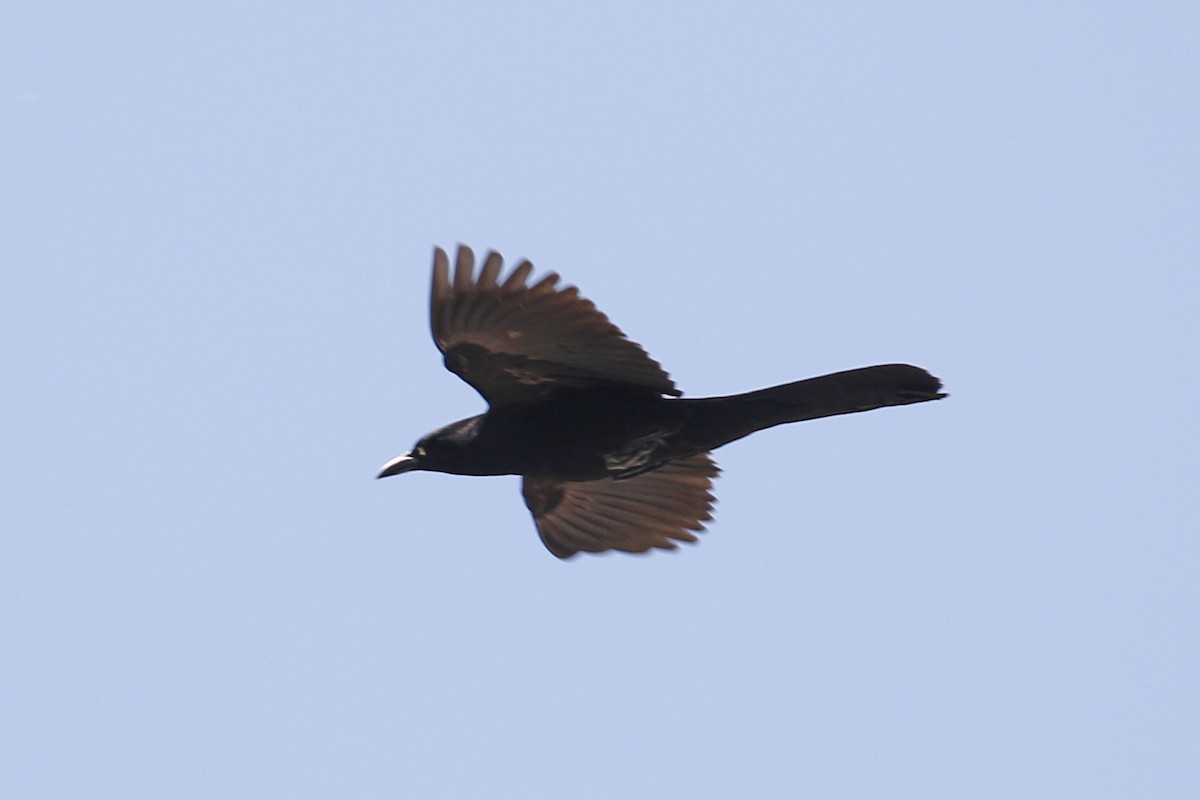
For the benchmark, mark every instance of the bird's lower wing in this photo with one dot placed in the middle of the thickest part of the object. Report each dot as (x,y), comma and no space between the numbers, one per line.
(654,509)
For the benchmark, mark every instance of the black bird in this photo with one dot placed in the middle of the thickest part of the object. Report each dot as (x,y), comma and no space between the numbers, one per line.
(610,455)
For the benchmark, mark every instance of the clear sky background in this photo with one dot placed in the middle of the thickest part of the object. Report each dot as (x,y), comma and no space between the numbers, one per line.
(216,232)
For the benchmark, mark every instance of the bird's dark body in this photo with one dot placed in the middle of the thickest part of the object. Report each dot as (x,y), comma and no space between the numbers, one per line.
(573,434)
(591,434)
(610,458)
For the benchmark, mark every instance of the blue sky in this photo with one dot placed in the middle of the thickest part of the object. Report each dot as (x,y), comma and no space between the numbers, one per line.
(217,226)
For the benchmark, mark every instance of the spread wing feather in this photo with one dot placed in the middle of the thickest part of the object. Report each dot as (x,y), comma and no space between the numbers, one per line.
(515,341)
(654,509)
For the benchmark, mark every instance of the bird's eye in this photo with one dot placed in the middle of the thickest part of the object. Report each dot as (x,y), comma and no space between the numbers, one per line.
(419,452)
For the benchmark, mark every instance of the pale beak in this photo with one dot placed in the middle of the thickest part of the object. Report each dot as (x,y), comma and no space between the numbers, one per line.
(399,464)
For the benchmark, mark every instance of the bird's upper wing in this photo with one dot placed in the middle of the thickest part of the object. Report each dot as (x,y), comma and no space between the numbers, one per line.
(653,509)
(516,342)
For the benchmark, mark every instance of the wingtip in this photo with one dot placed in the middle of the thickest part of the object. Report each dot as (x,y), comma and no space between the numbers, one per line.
(493,265)
(464,268)
(441,273)
(516,279)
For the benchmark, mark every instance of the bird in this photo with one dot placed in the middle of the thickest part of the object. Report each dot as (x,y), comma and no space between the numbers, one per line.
(611,455)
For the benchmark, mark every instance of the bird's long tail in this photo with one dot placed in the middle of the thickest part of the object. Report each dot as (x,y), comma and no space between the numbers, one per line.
(725,419)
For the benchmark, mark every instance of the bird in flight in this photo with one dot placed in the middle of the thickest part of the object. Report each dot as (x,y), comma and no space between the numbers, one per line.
(611,456)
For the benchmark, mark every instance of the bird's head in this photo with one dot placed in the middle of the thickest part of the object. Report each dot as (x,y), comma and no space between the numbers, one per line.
(440,451)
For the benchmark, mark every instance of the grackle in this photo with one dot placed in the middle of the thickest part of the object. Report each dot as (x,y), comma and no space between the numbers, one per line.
(610,455)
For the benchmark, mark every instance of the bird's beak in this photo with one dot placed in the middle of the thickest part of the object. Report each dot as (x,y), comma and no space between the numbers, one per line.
(397,465)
